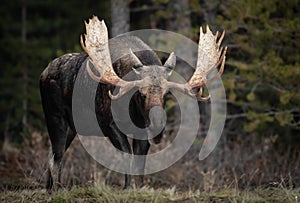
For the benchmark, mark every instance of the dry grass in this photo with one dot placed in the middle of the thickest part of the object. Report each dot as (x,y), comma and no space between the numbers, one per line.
(102,193)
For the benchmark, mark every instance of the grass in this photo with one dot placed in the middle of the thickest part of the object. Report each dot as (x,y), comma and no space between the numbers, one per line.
(102,193)
(22,174)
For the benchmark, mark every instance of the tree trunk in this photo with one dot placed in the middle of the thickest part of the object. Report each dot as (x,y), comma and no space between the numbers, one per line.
(180,22)
(210,10)
(120,17)
(180,18)
(24,67)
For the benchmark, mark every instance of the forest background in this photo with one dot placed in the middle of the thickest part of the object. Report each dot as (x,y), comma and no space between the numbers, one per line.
(261,138)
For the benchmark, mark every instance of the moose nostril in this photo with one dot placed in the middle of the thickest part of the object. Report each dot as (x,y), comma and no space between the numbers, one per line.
(157,117)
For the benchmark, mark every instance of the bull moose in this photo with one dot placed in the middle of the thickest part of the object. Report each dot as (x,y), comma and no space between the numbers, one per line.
(58,78)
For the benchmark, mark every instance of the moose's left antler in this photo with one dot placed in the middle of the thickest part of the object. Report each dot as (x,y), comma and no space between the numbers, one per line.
(210,56)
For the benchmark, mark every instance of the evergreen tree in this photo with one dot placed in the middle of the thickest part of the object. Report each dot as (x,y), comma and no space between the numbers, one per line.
(263,67)
(52,29)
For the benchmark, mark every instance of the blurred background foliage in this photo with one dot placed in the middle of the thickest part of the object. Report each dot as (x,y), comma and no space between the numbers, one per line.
(261,76)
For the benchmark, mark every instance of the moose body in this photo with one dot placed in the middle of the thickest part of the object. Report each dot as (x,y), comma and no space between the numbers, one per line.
(113,60)
(56,86)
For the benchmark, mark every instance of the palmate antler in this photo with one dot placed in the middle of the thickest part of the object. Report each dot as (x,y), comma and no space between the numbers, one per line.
(96,46)
(210,56)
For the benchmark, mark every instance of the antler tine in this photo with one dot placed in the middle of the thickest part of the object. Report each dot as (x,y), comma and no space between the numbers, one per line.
(221,38)
(90,72)
(199,95)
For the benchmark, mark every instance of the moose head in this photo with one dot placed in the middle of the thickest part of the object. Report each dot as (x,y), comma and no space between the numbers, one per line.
(152,80)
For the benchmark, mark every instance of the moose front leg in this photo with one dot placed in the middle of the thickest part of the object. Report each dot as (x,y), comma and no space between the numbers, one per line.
(120,141)
(140,147)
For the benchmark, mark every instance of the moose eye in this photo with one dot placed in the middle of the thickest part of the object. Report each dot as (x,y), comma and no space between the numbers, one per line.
(143,97)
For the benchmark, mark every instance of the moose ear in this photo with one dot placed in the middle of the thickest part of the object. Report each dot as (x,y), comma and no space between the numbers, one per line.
(135,60)
(170,63)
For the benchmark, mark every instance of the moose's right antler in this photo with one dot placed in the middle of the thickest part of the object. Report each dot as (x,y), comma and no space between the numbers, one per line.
(96,46)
